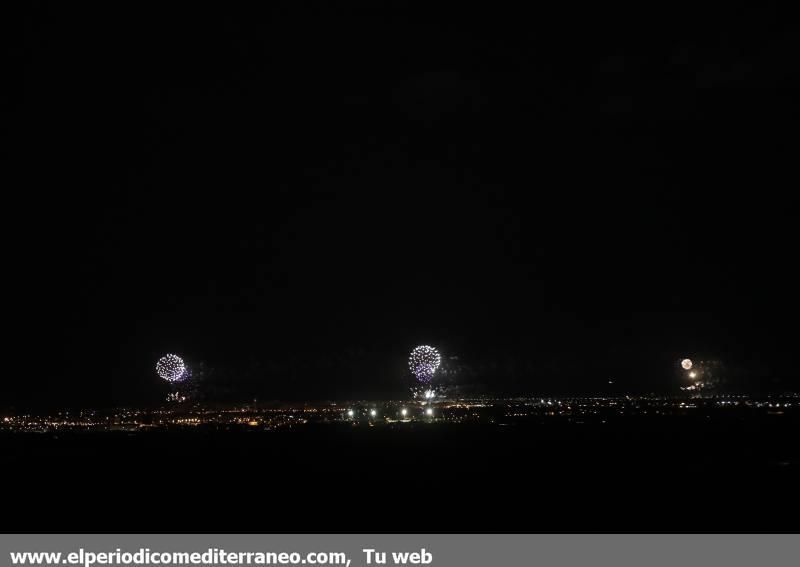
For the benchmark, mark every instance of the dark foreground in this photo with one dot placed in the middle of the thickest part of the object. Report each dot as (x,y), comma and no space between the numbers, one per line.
(667,473)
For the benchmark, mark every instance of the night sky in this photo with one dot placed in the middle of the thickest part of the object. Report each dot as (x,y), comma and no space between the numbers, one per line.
(297,195)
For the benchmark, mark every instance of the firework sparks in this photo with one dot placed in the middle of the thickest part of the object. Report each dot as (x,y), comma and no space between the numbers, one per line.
(171,368)
(423,362)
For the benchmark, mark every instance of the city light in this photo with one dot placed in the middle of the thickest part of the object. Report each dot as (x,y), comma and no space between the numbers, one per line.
(692,374)
(466,410)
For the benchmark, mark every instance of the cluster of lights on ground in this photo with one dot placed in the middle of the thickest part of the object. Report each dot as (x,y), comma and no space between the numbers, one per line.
(374,413)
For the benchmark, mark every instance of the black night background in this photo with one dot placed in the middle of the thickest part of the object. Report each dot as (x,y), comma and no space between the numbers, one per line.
(293,195)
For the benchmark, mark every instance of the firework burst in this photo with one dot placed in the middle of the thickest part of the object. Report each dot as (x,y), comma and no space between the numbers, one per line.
(423,362)
(171,368)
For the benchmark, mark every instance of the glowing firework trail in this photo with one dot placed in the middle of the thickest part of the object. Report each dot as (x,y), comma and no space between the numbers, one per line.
(423,392)
(171,368)
(423,362)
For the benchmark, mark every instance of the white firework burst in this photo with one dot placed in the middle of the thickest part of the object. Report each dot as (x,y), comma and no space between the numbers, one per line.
(423,362)
(171,368)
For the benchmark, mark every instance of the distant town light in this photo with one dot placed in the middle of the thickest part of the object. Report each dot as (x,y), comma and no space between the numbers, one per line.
(429,411)
(350,413)
(373,413)
(404,412)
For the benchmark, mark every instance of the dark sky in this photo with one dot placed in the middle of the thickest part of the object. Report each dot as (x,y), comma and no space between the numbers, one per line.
(297,195)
